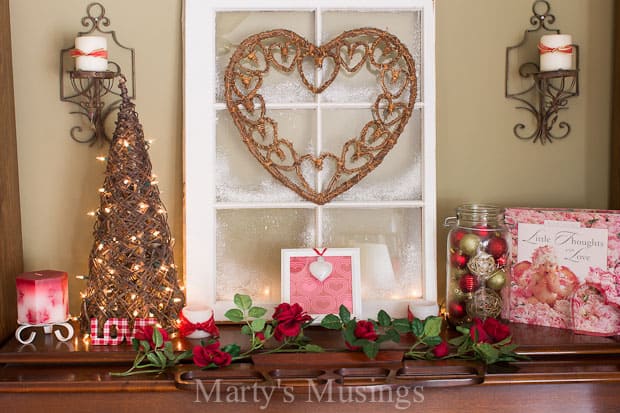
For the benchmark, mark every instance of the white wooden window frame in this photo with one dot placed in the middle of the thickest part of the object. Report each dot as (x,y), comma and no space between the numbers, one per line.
(200,108)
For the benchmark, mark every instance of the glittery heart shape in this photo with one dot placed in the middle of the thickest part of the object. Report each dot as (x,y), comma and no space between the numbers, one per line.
(380,52)
(320,269)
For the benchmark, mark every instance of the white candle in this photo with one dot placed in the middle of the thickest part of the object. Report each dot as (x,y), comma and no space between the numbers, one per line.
(556,52)
(422,308)
(196,315)
(91,53)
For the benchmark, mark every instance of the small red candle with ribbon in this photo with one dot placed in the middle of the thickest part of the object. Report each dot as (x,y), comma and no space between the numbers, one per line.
(91,53)
(197,322)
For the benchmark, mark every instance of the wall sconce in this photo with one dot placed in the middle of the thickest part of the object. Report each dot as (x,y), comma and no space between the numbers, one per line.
(542,89)
(89,81)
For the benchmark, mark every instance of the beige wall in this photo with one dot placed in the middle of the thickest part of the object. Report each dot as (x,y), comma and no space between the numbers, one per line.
(478,158)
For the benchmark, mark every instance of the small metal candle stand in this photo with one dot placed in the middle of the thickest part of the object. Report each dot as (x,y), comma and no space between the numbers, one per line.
(87,89)
(47,329)
(545,94)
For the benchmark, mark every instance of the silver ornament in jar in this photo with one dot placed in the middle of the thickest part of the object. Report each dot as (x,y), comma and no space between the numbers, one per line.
(478,255)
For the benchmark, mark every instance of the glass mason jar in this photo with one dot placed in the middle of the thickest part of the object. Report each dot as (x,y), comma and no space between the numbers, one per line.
(477,263)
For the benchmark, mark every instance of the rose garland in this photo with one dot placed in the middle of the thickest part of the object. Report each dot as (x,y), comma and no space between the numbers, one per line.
(489,341)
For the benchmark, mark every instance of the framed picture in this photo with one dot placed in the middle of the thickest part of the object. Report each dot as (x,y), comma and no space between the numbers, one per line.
(321,279)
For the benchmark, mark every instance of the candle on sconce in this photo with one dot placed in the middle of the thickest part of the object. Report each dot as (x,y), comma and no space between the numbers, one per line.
(556,52)
(42,297)
(91,53)
(197,322)
(423,308)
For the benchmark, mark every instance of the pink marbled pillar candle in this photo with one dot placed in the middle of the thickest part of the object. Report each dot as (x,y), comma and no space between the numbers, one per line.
(42,297)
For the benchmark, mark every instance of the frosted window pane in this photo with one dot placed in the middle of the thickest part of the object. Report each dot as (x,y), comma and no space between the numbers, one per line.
(390,242)
(406,25)
(233,27)
(248,249)
(398,177)
(239,176)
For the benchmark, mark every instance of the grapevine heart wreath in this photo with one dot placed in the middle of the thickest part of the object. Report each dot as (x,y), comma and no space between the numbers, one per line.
(380,52)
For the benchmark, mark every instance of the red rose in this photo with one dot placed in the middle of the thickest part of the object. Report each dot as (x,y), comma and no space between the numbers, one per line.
(477,330)
(365,329)
(496,330)
(441,350)
(210,354)
(289,318)
(146,334)
(260,336)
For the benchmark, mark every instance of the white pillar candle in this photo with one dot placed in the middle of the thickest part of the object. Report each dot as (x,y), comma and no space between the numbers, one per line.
(423,308)
(196,315)
(91,53)
(556,52)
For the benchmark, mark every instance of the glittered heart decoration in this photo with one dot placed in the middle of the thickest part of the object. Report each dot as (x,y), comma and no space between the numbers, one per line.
(380,52)
(320,269)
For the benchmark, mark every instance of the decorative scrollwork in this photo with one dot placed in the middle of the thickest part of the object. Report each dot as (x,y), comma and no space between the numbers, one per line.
(318,67)
(93,21)
(93,92)
(545,94)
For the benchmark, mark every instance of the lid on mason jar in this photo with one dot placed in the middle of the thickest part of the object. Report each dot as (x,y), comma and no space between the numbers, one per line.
(477,214)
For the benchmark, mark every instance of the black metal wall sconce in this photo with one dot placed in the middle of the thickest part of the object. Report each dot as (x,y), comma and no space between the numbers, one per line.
(87,77)
(542,85)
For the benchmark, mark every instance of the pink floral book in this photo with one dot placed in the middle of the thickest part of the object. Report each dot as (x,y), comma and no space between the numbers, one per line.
(566,269)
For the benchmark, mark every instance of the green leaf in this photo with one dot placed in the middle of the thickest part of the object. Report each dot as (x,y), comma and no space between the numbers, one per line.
(234,315)
(431,341)
(462,330)
(168,352)
(163,360)
(393,335)
(417,327)
(268,331)
(331,322)
(505,341)
(135,343)
(182,356)
(145,345)
(313,348)
(371,349)
(258,324)
(232,349)
(349,332)
(242,301)
(158,339)
(152,357)
(509,348)
(345,314)
(457,341)
(245,329)
(402,325)
(257,312)
(488,353)
(384,319)
(432,326)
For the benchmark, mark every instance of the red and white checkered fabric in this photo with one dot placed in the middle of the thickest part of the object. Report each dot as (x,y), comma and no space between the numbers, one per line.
(122,330)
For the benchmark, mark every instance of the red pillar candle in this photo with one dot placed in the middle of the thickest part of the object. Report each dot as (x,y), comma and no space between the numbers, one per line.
(42,297)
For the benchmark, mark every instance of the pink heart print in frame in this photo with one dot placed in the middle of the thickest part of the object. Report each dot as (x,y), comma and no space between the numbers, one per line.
(322,279)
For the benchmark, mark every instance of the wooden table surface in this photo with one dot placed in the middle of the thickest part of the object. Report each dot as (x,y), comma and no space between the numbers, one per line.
(566,373)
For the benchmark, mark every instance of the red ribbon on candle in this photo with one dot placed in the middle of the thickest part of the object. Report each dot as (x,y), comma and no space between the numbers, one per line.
(320,254)
(562,49)
(95,53)
(187,327)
